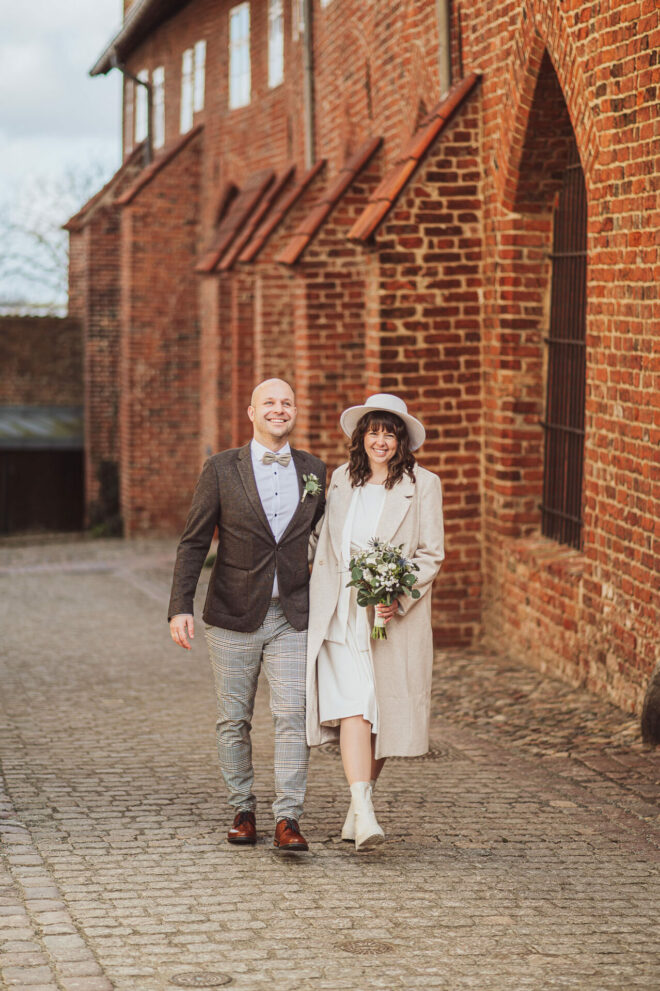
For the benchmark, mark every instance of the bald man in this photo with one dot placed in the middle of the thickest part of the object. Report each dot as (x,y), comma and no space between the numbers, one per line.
(265,499)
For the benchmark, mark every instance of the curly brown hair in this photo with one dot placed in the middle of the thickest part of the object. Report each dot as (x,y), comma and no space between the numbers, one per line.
(358,459)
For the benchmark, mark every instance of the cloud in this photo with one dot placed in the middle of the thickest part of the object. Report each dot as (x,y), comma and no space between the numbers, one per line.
(46,51)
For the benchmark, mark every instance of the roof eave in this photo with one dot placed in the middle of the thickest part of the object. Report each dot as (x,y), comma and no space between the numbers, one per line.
(143,17)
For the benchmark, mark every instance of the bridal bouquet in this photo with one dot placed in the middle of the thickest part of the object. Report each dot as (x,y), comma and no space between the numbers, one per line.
(381,574)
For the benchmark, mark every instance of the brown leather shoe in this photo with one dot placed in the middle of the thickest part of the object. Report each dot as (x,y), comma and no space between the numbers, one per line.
(244,829)
(288,836)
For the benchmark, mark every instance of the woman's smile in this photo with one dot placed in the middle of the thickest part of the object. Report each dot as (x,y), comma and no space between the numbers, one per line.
(380,446)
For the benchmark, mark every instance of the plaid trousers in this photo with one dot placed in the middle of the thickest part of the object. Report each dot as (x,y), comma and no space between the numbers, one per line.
(236,659)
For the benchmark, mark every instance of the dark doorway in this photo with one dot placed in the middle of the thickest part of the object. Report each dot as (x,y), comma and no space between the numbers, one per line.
(41,490)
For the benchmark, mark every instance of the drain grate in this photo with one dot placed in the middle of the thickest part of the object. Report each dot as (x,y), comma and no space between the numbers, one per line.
(201,979)
(443,752)
(365,947)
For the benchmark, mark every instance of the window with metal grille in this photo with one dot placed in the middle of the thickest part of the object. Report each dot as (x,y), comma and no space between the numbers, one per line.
(561,509)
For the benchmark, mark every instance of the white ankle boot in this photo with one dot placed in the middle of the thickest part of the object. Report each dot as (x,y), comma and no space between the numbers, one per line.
(367,831)
(348,829)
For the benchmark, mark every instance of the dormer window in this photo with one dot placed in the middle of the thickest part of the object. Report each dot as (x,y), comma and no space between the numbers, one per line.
(158,81)
(193,67)
(275,42)
(199,75)
(297,19)
(239,56)
(141,107)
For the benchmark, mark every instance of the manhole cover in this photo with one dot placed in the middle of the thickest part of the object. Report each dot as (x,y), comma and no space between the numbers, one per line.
(365,947)
(437,753)
(201,979)
(443,752)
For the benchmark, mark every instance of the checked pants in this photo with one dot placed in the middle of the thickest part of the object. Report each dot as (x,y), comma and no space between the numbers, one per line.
(236,659)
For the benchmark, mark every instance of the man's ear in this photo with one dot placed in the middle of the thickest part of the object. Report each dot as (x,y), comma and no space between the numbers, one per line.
(250,413)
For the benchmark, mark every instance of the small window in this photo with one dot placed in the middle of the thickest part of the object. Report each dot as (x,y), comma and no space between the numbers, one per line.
(129,110)
(159,106)
(297,19)
(141,107)
(275,43)
(239,56)
(566,382)
(186,113)
(193,68)
(199,76)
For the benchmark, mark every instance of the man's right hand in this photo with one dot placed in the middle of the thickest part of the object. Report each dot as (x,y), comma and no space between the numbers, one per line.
(180,627)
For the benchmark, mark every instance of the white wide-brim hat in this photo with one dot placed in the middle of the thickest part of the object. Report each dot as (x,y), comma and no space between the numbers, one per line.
(384,402)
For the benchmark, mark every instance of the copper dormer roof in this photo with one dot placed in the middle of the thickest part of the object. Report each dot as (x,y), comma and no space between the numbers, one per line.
(142,18)
(385,195)
(244,235)
(272,222)
(326,203)
(236,217)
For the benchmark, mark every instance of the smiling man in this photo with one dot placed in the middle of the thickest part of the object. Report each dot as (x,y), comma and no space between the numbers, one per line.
(257,602)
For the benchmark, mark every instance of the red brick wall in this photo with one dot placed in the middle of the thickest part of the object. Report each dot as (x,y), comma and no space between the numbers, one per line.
(588,615)
(423,344)
(449,306)
(160,338)
(41,361)
(330,322)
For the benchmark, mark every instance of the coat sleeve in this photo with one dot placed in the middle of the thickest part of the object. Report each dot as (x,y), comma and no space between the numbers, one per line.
(430,551)
(195,541)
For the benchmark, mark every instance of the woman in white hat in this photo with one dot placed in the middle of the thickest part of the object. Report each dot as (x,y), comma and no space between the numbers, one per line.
(375,694)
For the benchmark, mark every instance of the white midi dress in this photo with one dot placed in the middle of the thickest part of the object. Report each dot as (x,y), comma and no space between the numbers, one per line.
(346,685)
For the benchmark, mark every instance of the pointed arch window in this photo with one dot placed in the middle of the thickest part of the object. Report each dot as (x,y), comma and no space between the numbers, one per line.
(561,509)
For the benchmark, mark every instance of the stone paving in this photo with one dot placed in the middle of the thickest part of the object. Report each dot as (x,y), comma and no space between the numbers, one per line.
(523,853)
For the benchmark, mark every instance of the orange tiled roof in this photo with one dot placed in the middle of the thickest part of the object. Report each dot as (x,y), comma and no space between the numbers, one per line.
(322,208)
(79,219)
(385,195)
(238,214)
(161,160)
(256,243)
(255,219)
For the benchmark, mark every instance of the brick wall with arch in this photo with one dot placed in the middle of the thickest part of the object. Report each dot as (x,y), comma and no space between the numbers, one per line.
(444,299)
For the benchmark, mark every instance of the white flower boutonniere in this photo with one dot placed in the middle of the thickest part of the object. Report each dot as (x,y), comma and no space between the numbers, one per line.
(312,486)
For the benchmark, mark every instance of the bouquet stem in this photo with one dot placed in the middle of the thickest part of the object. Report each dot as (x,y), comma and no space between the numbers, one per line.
(379,631)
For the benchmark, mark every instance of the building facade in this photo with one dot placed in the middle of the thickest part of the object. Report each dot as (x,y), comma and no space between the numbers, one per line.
(456,202)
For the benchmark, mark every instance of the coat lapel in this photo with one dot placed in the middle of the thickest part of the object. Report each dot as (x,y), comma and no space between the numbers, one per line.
(397,503)
(339,497)
(247,477)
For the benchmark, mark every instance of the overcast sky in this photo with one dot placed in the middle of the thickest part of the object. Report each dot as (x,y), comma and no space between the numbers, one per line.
(56,122)
(53,115)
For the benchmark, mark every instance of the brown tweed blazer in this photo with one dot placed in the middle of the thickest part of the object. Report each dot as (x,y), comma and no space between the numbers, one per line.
(241,582)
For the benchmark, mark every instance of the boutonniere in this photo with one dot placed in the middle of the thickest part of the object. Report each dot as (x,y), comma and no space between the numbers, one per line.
(312,486)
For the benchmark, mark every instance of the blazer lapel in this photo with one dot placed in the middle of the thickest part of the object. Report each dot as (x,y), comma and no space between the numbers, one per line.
(397,503)
(247,477)
(300,462)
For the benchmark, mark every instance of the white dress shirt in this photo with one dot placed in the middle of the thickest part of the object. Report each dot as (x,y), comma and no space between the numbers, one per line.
(278,490)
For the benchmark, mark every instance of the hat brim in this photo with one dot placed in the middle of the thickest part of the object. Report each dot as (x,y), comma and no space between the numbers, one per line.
(352,416)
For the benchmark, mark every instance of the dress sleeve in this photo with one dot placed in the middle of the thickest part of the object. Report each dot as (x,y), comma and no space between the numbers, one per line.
(430,551)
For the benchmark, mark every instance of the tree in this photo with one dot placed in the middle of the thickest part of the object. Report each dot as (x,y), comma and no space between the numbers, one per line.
(34,250)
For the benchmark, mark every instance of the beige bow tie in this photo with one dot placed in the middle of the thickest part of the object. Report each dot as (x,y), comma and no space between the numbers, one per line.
(282,459)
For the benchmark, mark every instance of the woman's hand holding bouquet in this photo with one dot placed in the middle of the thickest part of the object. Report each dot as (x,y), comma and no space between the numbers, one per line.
(381,574)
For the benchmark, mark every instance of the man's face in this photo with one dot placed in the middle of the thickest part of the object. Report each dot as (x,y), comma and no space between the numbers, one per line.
(273,413)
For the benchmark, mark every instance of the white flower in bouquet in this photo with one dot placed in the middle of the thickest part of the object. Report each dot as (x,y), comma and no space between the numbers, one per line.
(380,575)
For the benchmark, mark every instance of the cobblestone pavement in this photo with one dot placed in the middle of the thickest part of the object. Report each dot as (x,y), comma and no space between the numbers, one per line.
(523,853)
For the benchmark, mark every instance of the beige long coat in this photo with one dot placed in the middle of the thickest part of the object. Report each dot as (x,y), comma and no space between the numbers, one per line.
(412,516)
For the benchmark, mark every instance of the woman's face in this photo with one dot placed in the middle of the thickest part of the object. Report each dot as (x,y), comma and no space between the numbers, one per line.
(380,445)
